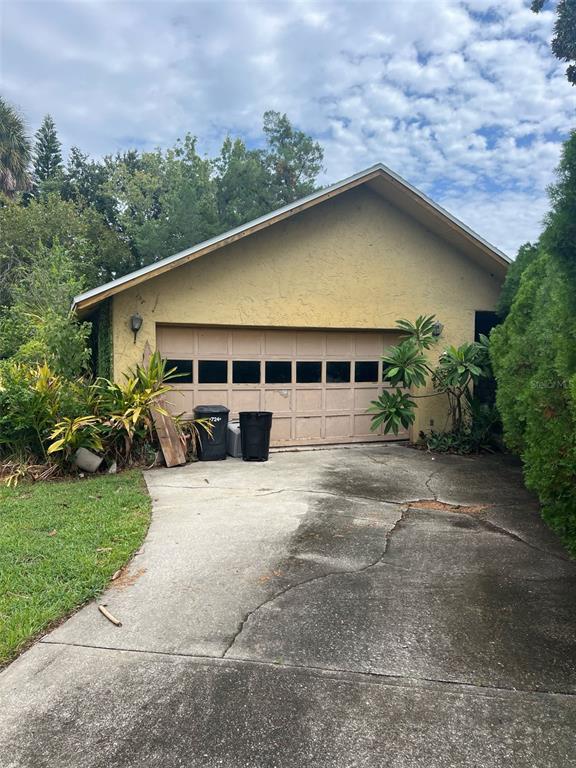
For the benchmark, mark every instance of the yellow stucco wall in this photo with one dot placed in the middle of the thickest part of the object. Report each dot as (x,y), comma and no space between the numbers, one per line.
(353,262)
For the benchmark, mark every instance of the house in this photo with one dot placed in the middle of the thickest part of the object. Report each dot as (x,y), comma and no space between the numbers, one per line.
(292,311)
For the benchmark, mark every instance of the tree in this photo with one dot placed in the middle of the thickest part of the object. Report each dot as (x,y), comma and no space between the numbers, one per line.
(526,255)
(39,327)
(98,252)
(243,185)
(47,156)
(564,40)
(84,182)
(559,237)
(166,201)
(14,151)
(292,158)
(534,358)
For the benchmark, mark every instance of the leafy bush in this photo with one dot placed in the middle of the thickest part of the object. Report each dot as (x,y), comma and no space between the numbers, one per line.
(481,433)
(534,359)
(39,326)
(32,400)
(120,421)
(45,417)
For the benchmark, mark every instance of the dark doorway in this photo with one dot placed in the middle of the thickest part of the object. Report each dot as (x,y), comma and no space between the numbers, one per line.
(485,390)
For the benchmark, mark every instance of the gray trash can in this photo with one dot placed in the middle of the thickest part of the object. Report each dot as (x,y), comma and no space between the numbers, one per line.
(233,440)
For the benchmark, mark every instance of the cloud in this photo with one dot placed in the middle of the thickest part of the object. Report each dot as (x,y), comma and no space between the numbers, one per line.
(461,97)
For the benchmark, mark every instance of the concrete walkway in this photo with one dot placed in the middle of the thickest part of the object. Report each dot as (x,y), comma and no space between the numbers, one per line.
(302,613)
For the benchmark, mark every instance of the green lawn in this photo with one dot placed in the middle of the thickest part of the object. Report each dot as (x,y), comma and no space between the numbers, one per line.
(60,543)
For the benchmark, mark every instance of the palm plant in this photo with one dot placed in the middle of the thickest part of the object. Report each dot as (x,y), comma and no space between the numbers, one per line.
(15,151)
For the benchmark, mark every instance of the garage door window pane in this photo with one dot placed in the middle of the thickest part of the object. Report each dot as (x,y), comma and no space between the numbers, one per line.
(308,373)
(337,373)
(246,372)
(366,371)
(183,372)
(278,372)
(212,371)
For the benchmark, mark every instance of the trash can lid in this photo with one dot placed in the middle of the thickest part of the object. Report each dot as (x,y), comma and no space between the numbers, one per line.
(211,409)
(255,413)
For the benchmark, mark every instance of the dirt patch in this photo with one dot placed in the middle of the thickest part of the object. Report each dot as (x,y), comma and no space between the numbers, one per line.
(127,579)
(442,506)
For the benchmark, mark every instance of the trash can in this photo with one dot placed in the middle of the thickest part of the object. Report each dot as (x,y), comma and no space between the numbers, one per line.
(233,440)
(255,434)
(212,448)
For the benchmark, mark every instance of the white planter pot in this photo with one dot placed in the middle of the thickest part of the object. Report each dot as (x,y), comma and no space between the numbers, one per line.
(86,460)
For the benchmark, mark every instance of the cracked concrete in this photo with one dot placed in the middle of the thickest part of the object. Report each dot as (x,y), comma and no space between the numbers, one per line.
(300,613)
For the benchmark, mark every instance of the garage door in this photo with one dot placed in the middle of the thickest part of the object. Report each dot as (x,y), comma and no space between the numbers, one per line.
(318,384)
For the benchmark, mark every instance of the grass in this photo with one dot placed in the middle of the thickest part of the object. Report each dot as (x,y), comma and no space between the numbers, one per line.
(60,543)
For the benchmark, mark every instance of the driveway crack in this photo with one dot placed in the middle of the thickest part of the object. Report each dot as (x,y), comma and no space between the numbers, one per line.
(427,484)
(401,518)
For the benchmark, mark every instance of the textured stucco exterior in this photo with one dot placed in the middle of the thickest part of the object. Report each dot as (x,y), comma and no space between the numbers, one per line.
(352,262)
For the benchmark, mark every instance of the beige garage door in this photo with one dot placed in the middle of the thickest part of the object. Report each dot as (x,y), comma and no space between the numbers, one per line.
(318,384)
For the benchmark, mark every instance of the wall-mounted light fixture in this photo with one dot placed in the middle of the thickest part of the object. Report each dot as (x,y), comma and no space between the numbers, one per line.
(135,324)
(437,328)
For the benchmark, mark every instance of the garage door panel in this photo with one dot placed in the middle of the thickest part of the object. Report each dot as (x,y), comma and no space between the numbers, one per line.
(281,429)
(368,344)
(338,426)
(362,424)
(339,399)
(310,344)
(175,342)
(339,344)
(246,342)
(309,427)
(306,378)
(212,396)
(245,400)
(309,399)
(180,401)
(212,342)
(278,400)
(364,396)
(279,343)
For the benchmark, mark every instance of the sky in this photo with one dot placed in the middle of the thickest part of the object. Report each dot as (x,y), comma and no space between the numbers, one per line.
(462,98)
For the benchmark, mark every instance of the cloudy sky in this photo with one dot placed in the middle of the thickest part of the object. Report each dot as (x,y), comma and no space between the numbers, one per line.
(462,98)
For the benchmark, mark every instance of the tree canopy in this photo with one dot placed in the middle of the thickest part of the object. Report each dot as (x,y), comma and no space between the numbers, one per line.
(127,210)
(564,40)
(91,220)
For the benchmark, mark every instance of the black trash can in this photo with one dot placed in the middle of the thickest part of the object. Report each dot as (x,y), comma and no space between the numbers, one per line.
(255,434)
(212,448)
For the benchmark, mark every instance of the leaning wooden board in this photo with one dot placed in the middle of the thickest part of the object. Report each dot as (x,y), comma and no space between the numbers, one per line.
(169,439)
(171,443)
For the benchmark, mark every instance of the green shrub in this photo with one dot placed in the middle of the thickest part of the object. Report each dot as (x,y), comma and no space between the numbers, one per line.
(32,401)
(534,359)
(118,419)
(39,326)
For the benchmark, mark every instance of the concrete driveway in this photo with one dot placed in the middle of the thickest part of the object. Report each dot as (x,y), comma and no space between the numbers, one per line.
(302,613)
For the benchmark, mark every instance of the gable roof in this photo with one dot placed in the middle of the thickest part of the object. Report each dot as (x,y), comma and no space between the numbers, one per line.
(379,178)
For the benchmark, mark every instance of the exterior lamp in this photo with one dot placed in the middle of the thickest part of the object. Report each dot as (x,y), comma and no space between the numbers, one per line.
(437,329)
(135,324)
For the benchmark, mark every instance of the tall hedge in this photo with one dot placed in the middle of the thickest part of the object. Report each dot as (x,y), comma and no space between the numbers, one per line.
(534,358)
